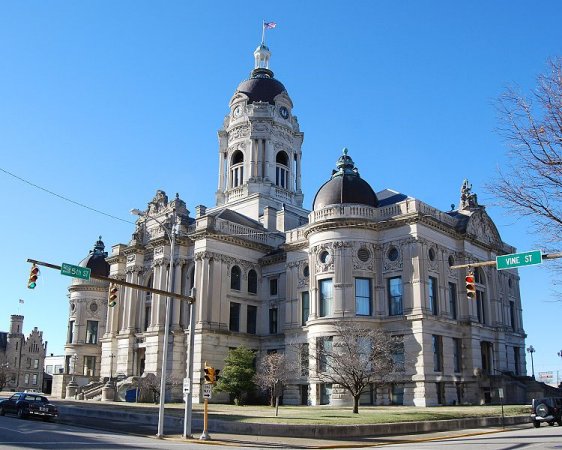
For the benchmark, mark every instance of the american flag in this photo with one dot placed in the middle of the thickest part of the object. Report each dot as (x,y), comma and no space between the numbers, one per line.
(269,25)
(21,301)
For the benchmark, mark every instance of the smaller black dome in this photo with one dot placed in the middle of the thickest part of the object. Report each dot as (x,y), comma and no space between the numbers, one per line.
(345,186)
(96,260)
(261,87)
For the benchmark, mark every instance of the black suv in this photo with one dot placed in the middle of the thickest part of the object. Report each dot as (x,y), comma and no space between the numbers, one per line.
(547,410)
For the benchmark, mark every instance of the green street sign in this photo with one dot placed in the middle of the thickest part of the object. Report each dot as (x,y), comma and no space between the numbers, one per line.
(75,271)
(518,259)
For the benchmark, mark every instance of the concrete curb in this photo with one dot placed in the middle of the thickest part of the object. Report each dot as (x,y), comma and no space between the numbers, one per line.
(296,431)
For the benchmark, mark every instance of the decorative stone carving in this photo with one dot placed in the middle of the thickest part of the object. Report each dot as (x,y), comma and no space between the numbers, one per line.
(481,226)
(239,132)
(363,256)
(393,261)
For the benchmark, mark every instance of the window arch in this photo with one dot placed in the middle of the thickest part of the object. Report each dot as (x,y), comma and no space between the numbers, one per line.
(282,169)
(237,169)
(235,275)
(252,282)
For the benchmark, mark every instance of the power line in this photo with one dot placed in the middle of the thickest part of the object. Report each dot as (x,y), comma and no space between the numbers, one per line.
(63,197)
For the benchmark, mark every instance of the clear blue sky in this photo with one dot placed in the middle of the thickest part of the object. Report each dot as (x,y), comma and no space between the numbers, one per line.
(106,102)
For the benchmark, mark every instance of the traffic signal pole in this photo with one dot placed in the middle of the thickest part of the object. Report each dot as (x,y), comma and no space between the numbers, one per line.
(121,282)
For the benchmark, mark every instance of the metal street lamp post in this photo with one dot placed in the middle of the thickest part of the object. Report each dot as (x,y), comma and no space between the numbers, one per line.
(187,420)
(532,350)
(172,238)
(111,356)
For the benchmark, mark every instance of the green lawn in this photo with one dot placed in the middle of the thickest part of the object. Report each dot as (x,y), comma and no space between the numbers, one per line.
(344,416)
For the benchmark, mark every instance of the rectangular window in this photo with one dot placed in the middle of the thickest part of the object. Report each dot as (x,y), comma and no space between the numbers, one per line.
(363,297)
(326,297)
(49,369)
(480,307)
(92,332)
(252,314)
(453,300)
(437,355)
(71,332)
(234,324)
(433,300)
(89,365)
(273,321)
(516,361)
(273,287)
(304,360)
(34,379)
(398,357)
(397,394)
(395,307)
(512,314)
(36,364)
(325,346)
(305,297)
(26,379)
(457,355)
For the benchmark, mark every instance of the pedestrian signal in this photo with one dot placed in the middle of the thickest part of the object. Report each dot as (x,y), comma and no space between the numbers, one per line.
(113,291)
(470,287)
(33,275)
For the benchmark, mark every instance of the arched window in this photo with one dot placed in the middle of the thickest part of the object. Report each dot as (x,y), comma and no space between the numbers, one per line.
(237,169)
(235,278)
(282,170)
(252,282)
(147,307)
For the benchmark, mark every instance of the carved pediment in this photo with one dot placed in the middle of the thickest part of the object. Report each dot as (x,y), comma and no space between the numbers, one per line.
(483,228)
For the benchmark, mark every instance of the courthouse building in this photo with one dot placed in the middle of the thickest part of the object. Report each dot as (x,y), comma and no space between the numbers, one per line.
(269,273)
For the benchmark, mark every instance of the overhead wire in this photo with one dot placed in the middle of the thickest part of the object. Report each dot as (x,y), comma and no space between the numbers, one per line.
(82,205)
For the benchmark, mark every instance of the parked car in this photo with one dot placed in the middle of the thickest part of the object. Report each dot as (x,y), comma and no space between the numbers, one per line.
(26,404)
(547,410)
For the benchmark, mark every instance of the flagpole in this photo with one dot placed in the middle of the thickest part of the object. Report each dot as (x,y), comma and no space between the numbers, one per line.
(263,33)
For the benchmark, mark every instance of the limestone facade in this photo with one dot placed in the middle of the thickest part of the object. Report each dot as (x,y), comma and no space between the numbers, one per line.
(268,273)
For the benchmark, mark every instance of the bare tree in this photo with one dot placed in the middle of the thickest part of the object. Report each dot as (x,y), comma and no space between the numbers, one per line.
(149,386)
(274,370)
(531,184)
(356,356)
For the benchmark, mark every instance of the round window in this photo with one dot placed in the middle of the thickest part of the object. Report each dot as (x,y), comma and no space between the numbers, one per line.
(392,254)
(306,271)
(363,254)
(324,257)
(93,307)
(431,254)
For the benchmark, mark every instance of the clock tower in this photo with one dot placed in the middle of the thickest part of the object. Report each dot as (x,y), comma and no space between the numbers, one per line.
(260,151)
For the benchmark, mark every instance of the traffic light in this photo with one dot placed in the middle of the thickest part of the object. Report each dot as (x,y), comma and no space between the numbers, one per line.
(209,375)
(113,291)
(216,378)
(470,287)
(32,282)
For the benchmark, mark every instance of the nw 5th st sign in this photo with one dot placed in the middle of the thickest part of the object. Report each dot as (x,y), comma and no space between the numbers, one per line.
(518,259)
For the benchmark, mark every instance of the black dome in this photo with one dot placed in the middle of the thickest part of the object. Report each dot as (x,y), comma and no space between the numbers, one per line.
(96,260)
(261,87)
(345,186)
